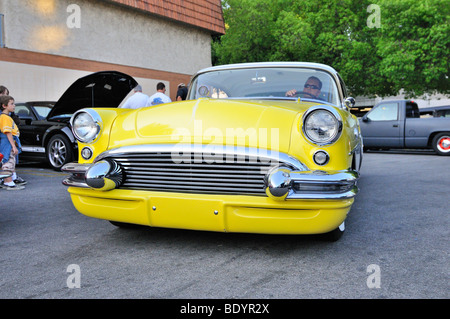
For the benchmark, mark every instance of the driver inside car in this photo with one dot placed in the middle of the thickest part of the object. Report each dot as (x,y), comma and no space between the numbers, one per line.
(311,88)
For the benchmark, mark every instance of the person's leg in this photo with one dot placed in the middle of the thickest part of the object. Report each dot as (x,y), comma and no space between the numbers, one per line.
(10,166)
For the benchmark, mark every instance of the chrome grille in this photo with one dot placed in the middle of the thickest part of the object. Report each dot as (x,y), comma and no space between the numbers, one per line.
(229,172)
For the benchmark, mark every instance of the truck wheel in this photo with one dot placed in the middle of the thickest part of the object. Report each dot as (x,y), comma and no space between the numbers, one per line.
(59,151)
(441,144)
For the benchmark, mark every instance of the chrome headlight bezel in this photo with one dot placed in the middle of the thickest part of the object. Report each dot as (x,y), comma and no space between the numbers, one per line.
(95,122)
(336,123)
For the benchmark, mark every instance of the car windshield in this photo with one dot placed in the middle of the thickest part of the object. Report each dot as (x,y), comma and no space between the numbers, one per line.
(268,83)
(43,111)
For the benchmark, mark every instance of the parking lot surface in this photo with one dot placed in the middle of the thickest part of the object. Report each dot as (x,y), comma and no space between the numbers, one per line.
(395,246)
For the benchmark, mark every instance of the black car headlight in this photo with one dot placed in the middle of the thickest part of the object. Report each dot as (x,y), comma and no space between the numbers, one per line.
(86,125)
(322,125)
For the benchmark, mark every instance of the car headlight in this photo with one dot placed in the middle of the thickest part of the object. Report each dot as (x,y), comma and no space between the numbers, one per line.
(322,125)
(86,125)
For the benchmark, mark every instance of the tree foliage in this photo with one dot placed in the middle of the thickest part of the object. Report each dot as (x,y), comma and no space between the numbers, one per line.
(409,50)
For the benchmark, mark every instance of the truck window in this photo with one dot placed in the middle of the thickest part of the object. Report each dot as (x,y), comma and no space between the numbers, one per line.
(384,112)
(412,110)
(444,113)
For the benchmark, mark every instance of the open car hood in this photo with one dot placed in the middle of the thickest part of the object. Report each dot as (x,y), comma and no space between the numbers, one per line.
(100,89)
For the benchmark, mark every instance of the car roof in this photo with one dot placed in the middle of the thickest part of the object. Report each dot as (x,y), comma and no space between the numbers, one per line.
(311,65)
(34,103)
(269,65)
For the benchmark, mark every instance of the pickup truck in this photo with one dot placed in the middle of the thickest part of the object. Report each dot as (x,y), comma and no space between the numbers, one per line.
(397,124)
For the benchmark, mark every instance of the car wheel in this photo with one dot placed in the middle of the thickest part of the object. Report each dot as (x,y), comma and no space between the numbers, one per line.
(335,234)
(441,144)
(59,151)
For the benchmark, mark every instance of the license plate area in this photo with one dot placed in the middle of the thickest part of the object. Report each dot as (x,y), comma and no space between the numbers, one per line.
(187,213)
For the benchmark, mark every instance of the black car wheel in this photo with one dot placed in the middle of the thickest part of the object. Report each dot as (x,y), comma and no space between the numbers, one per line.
(59,151)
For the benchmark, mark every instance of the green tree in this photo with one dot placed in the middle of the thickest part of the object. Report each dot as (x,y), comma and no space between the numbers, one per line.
(249,33)
(410,49)
(414,45)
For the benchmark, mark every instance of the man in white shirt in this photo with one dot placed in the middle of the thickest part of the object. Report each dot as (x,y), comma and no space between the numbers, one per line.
(137,100)
(159,97)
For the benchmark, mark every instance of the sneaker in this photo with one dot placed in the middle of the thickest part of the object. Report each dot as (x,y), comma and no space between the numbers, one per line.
(20,181)
(13,188)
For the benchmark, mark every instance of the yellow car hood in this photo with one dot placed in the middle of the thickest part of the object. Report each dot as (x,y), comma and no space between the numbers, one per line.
(266,123)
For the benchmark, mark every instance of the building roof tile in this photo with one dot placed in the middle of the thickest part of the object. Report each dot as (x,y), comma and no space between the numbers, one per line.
(205,14)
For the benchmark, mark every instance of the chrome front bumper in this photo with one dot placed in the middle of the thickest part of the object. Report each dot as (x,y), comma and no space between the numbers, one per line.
(103,175)
(280,183)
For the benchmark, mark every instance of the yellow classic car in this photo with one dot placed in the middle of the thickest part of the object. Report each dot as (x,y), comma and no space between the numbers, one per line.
(257,147)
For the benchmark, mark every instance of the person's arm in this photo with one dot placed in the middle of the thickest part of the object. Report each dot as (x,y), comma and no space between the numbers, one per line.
(12,142)
(291,92)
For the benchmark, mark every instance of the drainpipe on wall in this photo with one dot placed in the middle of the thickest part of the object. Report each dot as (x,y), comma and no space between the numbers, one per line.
(2,31)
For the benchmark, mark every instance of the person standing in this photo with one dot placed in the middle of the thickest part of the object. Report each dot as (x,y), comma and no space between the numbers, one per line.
(17,179)
(3,90)
(137,100)
(159,97)
(182,92)
(9,142)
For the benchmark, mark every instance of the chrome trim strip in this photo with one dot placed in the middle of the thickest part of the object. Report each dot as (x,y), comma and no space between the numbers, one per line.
(33,149)
(180,151)
(275,98)
(325,177)
(69,181)
(75,168)
(346,195)
(357,152)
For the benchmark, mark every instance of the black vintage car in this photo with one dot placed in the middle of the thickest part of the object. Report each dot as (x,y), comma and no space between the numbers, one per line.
(45,131)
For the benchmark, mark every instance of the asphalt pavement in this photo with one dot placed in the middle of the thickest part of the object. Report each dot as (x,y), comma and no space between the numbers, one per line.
(395,246)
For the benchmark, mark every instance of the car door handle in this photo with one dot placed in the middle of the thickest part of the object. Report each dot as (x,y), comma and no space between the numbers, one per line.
(395,125)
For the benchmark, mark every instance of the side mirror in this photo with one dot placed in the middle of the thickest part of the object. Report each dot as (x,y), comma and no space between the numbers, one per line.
(365,118)
(349,102)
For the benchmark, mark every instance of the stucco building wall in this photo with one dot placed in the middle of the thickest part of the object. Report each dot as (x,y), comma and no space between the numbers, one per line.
(50,43)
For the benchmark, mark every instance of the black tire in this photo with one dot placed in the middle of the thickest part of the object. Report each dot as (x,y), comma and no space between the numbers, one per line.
(441,144)
(335,234)
(59,151)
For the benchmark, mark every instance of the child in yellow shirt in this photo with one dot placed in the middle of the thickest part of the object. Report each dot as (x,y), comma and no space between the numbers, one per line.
(9,141)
